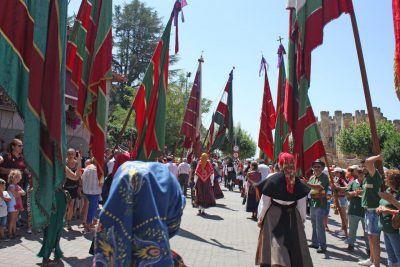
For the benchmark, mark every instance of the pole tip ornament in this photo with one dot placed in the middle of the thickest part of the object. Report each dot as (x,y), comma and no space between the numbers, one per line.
(263,66)
(281,52)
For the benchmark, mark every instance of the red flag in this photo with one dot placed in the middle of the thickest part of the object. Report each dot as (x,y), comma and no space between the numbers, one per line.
(310,21)
(281,140)
(223,117)
(268,119)
(396,21)
(89,54)
(150,102)
(306,33)
(192,121)
(211,134)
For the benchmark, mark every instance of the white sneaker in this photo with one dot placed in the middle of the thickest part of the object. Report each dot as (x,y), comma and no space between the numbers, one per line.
(366,262)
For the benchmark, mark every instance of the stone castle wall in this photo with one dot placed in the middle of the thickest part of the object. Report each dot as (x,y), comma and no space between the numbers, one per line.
(331,126)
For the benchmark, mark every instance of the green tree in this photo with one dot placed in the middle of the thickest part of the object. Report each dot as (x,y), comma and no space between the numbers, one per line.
(356,139)
(243,140)
(116,120)
(391,151)
(137,31)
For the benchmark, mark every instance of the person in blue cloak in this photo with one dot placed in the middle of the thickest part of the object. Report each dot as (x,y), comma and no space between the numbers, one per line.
(143,211)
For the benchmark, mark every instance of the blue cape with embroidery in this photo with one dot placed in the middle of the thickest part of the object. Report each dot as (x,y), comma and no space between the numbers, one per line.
(142,213)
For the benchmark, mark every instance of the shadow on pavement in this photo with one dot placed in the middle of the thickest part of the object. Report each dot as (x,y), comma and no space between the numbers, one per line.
(340,254)
(11,242)
(73,261)
(333,222)
(222,206)
(223,246)
(213,217)
(189,235)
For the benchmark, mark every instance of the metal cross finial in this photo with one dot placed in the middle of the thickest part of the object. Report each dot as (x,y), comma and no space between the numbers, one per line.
(201,60)
(280,40)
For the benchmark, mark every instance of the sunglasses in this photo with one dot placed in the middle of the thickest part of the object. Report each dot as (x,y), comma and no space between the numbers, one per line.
(317,167)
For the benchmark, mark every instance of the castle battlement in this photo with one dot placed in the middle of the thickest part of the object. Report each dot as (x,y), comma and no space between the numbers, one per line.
(330,126)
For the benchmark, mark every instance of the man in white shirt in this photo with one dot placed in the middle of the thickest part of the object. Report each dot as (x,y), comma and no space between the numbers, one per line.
(264,169)
(172,166)
(183,175)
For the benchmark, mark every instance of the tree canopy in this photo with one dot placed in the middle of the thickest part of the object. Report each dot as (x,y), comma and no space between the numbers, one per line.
(356,140)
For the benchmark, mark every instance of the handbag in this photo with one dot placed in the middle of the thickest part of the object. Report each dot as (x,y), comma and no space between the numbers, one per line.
(396,221)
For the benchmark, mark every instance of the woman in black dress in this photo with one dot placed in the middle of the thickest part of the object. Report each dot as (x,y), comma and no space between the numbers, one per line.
(73,174)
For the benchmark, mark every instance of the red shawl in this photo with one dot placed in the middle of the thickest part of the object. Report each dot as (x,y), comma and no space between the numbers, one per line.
(204,173)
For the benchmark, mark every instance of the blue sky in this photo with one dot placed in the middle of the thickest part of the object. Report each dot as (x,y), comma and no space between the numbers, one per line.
(236,32)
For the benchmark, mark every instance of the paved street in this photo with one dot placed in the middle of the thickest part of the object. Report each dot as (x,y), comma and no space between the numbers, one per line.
(226,236)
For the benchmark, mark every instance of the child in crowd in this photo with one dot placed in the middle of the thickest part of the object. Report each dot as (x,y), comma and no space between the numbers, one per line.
(4,198)
(15,205)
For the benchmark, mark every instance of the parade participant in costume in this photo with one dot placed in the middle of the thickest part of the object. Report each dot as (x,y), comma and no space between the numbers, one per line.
(319,184)
(218,194)
(230,175)
(252,177)
(204,179)
(142,213)
(282,240)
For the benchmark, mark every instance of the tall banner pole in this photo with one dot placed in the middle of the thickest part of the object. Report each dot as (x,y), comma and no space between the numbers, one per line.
(121,133)
(376,150)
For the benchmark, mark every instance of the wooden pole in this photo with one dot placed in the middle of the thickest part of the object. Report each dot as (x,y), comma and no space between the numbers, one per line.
(205,138)
(121,133)
(376,149)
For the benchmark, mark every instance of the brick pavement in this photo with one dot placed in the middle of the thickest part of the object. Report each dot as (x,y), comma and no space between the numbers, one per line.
(226,236)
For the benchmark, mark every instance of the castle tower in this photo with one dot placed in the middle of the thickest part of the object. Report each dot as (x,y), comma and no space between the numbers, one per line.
(347,119)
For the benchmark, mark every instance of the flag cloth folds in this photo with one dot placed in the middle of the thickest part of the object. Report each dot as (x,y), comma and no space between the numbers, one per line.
(311,16)
(223,118)
(281,143)
(32,50)
(192,121)
(89,55)
(307,21)
(150,102)
(396,21)
(268,118)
